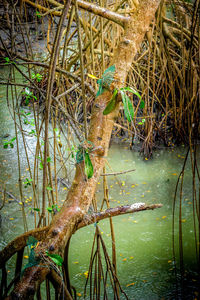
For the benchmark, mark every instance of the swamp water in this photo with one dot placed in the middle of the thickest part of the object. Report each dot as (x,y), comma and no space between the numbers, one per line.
(143,240)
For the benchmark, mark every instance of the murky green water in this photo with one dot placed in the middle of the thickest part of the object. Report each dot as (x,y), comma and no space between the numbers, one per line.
(143,240)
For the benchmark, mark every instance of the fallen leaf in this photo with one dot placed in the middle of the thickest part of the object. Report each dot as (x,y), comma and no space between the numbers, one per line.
(130,284)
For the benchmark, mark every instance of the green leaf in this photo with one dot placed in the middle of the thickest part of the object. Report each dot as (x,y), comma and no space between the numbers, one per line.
(49,159)
(13,139)
(57,259)
(11,145)
(41,166)
(112,103)
(133,91)
(50,209)
(5,146)
(88,165)
(38,14)
(49,188)
(36,209)
(142,104)
(106,80)
(31,241)
(7,59)
(128,107)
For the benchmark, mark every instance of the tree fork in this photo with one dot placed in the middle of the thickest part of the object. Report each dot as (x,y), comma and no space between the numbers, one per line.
(82,190)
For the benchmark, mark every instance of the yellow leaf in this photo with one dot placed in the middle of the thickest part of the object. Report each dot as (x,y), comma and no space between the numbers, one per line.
(164,217)
(78,294)
(175,174)
(76,262)
(26,256)
(130,284)
(133,186)
(86,274)
(11,219)
(125,259)
(183,220)
(169,261)
(135,221)
(92,76)
(131,257)
(144,183)
(146,158)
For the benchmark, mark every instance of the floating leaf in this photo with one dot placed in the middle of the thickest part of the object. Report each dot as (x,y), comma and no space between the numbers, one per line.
(128,107)
(112,103)
(57,259)
(88,166)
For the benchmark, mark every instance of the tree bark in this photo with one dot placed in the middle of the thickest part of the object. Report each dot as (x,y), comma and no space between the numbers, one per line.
(82,190)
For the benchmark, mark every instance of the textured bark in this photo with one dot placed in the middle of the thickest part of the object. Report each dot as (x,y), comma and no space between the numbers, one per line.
(40,233)
(82,191)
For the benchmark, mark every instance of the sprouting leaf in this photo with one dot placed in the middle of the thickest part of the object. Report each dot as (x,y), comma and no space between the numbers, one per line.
(57,259)
(41,166)
(128,107)
(112,103)
(88,166)
(92,76)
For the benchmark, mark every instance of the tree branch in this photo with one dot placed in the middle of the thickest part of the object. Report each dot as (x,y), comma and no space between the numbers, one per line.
(117,211)
(90,7)
(39,233)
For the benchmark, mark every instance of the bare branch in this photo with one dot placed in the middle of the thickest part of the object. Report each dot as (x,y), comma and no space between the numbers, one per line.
(117,211)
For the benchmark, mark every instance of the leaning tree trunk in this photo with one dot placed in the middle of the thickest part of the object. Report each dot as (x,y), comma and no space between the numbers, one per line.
(82,190)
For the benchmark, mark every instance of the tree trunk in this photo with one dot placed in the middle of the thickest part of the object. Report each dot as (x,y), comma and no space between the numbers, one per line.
(82,190)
